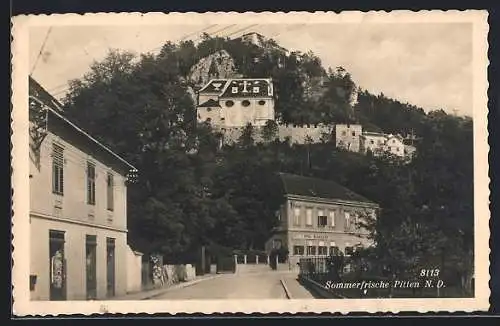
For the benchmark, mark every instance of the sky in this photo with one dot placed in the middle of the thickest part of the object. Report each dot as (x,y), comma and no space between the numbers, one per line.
(425,64)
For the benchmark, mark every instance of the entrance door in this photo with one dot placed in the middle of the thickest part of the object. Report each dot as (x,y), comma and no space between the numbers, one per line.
(91,266)
(57,264)
(110,251)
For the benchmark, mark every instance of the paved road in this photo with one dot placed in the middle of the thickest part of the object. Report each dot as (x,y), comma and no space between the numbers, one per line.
(232,286)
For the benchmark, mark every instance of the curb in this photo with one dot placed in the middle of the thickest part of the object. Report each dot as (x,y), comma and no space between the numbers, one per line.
(287,292)
(179,286)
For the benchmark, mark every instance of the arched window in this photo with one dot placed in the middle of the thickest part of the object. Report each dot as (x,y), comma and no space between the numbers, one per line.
(229,103)
(245,103)
(262,102)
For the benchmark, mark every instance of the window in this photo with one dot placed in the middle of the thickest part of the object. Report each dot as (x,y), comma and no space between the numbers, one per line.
(322,250)
(57,169)
(296,215)
(322,219)
(309,217)
(209,109)
(256,89)
(347,217)
(332,218)
(110,190)
(393,141)
(262,102)
(389,148)
(245,103)
(311,250)
(348,249)
(344,133)
(229,103)
(354,133)
(276,243)
(234,90)
(334,250)
(90,183)
(298,250)
(371,141)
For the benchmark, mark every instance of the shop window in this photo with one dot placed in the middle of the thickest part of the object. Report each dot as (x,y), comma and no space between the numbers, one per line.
(311,250)
(322,250)
(298,250)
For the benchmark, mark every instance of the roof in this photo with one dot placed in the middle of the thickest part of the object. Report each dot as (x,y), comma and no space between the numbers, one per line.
(36,90)
(374,134)
(209,103)
(312,187)
(39,94)
(399,137)
(241,87)
(214,86)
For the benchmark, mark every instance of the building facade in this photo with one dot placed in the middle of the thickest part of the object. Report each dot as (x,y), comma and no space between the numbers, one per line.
(348,136)
(319,218)
(379,143)
(236,102)
(78,210)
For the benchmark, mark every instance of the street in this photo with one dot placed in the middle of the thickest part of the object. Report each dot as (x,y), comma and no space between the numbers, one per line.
(265,285)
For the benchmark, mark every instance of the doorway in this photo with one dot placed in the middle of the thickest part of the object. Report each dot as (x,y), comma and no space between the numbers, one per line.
(91,266)
(110,254)
(57,263)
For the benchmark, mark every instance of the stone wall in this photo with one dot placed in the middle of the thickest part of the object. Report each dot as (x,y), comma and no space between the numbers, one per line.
(297,135)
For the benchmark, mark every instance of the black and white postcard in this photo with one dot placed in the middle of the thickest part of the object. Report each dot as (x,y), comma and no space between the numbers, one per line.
(250,162)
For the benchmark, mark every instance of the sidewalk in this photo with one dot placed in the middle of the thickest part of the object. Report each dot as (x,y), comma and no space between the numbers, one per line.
(151,294)
(294,289)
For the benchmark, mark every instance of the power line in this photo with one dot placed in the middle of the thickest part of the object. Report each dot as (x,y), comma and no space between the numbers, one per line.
(65,87)
(41,50)
(242,30)
(183,38)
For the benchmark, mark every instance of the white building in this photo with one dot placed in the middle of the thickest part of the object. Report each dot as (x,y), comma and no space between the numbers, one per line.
(379,143)
(348,136)
(236,102)
(78,210)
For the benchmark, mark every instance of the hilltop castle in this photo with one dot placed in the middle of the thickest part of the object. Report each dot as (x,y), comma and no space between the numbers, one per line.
(232,103)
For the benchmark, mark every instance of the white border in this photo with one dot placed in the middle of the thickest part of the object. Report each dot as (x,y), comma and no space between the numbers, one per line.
(20,162)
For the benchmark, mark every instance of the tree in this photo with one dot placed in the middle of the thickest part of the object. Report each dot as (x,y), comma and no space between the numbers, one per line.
(143,111)
(270,131)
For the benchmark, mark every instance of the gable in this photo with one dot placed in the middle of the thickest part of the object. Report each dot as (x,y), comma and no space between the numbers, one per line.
(215,86)
(248,88)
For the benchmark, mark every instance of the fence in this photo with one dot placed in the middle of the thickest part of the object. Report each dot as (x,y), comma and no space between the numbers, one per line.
(351,277)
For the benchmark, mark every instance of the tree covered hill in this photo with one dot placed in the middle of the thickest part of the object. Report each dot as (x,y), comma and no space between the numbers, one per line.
(191,193)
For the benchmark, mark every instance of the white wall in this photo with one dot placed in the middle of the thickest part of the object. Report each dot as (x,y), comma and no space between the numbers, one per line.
(134,270)
(72,214)
(348,136)
(74,248)
(74,201)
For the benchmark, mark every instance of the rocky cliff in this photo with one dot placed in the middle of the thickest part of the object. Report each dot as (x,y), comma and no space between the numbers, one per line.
(217,65)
